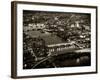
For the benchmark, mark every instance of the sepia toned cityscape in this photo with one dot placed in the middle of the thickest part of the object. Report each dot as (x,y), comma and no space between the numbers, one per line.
(56,39)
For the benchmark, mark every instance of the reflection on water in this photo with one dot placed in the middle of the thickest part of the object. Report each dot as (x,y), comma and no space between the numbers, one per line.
(67,60)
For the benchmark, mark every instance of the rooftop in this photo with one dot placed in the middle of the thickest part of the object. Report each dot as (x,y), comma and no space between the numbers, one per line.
(47,37)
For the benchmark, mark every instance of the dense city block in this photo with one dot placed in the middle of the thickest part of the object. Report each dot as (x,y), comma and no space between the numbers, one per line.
(56,39)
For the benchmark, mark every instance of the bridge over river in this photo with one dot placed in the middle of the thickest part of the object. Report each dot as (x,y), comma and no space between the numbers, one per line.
(67,58)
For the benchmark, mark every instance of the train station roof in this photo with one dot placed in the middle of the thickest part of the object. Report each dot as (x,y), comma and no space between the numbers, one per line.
(49,38)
